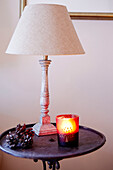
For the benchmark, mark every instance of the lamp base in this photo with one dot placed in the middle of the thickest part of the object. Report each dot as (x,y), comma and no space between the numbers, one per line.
(44,129)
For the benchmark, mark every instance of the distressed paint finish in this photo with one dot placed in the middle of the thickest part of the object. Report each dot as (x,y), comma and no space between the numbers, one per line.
(44,127)
(44,99)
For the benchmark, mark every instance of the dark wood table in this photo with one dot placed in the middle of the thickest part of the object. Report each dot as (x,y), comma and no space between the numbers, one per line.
(46,148)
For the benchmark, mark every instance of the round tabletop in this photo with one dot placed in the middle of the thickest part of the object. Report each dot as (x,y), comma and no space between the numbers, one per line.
(47,148)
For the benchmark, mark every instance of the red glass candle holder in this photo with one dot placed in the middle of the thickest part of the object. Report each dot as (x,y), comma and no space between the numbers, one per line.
(67,129)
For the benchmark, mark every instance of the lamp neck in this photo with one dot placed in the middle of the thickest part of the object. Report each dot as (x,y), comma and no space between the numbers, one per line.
(45,57)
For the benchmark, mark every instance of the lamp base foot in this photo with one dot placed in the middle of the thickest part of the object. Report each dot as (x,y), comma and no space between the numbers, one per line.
(44,129)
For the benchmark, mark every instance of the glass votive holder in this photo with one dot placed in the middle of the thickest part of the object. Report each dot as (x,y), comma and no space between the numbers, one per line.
(67,129)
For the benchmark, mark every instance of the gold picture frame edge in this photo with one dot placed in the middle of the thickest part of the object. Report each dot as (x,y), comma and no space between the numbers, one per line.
(79,15)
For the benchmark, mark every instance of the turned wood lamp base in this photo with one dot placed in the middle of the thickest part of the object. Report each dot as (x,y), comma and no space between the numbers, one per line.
(44,127)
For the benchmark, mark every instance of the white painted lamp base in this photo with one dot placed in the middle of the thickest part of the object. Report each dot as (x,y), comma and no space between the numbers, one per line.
(45,129)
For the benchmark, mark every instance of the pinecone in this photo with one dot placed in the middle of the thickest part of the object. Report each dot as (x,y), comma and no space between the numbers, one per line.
(26,141)
(22,137)
(20,130)
(12,140)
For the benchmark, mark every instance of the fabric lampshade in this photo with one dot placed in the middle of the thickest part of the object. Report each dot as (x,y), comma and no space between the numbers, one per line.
(45,29)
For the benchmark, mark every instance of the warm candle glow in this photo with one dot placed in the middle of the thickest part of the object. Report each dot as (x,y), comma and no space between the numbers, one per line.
(67,129)
(68,126)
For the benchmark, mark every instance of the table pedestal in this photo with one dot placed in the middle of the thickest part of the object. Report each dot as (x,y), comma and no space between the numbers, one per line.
(52,164)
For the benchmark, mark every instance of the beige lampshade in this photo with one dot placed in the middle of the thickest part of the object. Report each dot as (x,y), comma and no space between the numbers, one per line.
(45,29)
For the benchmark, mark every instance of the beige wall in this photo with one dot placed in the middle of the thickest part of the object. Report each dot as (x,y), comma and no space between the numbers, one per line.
(80,84)
(81,6)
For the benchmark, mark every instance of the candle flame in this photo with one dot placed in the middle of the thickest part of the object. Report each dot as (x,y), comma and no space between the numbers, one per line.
(68,126)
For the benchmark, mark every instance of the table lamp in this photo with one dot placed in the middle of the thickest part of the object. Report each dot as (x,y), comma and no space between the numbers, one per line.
(46,30)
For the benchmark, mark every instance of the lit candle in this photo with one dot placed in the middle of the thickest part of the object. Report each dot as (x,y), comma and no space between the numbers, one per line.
(67,129)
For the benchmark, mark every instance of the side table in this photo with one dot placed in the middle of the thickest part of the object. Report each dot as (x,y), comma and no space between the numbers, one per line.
(46,149)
